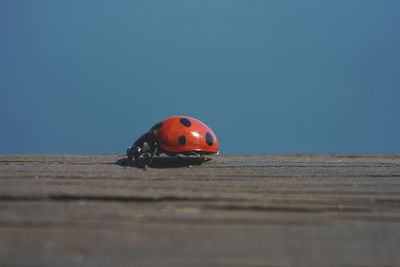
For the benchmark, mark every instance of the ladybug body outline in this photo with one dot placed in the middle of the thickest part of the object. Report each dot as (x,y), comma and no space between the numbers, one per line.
(173,136)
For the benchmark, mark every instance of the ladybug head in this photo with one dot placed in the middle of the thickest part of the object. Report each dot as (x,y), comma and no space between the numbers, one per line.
(145,144)
(133,152)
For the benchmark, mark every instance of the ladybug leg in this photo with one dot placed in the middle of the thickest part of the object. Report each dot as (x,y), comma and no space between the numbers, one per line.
(155,152)
(183,161)
(204,158)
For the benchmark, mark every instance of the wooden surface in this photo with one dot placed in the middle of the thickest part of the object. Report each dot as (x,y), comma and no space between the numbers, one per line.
(236,210)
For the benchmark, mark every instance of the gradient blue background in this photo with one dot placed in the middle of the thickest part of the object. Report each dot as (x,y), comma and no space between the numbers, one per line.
(268,76)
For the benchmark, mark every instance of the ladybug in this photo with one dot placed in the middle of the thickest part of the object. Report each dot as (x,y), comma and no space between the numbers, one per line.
(173,136)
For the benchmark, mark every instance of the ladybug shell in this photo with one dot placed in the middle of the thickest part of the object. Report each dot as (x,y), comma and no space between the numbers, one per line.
(181,134)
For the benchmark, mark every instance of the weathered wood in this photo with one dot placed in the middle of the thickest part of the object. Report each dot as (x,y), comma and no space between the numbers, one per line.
(236,210)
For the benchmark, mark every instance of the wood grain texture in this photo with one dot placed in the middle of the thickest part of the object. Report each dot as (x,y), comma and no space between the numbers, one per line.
(236,210)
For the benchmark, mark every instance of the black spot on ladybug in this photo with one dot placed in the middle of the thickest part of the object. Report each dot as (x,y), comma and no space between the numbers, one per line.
(186,122)
(209,139)
(182,140)
(157,126)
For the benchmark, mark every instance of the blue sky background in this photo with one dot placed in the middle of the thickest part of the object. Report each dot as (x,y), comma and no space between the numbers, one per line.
(83,76)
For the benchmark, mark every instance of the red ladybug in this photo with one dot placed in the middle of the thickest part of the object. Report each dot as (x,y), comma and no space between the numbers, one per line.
(173,136)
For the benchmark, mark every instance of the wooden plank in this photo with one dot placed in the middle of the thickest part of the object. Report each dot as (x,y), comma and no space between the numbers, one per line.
(236,210)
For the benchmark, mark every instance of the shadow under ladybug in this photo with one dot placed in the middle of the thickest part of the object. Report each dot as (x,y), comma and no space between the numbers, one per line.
(162,162)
